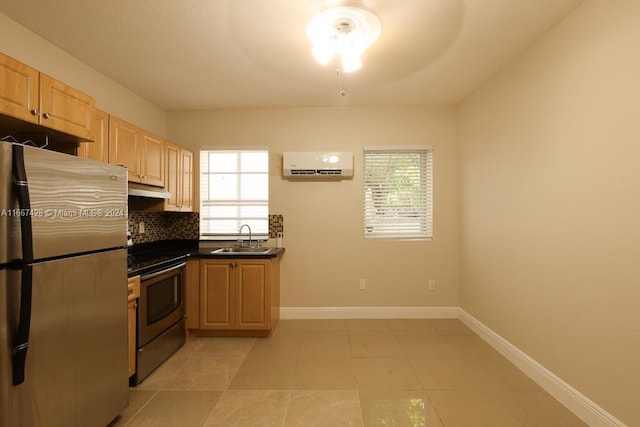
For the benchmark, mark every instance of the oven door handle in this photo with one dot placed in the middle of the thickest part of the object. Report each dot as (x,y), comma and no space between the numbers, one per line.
(158,273)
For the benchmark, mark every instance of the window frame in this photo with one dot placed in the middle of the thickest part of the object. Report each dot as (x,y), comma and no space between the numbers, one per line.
(260,233)
(399,225)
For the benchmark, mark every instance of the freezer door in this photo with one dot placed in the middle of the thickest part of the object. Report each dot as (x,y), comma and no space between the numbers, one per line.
(77,363)
(76,205)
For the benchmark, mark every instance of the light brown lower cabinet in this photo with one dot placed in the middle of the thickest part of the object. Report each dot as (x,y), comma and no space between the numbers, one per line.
(192,294)
(238,297)
(133,286)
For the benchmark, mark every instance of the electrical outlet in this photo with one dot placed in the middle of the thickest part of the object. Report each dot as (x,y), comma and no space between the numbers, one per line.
(141,227)
(363,284)
(432,285)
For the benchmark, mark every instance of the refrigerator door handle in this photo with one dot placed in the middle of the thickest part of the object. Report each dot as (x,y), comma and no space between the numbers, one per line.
(21,341)
(24,203)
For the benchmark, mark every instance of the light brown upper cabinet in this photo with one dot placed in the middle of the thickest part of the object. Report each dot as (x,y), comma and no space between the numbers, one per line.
(99,149)
(141,152)
(66,109)
(186,157)
(124,146)
(152,160)
(34,97)
(179,178)
(19,97)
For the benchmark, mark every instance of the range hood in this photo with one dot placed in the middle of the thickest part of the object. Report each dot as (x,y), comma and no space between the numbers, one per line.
(139,190)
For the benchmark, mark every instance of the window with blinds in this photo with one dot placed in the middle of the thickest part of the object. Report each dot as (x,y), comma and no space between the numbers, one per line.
(234,190)
(398,193)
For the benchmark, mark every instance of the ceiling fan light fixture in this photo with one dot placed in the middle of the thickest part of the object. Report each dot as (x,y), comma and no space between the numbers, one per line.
(346,31)
(351,62)
(323,52)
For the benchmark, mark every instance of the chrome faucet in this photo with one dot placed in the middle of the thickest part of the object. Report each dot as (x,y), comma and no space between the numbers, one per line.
(240,235)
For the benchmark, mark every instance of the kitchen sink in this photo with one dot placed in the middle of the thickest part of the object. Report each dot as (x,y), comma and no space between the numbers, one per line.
(246,251)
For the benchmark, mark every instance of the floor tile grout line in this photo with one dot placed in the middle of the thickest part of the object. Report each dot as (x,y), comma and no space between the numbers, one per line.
(434,409)
(206,420)
(360,404)
(286,409)
(228,383)
(238,369)
(142,407)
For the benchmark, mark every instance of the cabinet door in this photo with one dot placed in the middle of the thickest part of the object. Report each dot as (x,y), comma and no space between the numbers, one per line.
(124,147)
(178,178)
(131,315)
(192,293)
(66,109)
(18,90)
(172,177)
(152,160)
(217,294)
(99,149)
(133,292)
(186,191)
(252,294)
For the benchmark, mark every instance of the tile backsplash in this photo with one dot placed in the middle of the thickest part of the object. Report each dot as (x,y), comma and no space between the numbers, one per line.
(276,225)
(179,226)
(164,226)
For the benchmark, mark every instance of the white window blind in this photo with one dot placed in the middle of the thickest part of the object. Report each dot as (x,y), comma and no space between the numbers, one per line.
(398,193)
(234,190)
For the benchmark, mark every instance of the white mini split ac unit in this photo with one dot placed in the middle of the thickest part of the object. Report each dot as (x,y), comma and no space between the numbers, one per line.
(316,164)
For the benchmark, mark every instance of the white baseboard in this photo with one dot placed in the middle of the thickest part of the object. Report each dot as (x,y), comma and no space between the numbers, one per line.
(368,312)
(589,411)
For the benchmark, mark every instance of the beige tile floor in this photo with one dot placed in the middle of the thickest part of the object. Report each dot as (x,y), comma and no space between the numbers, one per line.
(343,373)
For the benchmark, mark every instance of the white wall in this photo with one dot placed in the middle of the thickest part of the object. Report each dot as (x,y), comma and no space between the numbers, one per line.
(31,49)
(550,203)
(326,254)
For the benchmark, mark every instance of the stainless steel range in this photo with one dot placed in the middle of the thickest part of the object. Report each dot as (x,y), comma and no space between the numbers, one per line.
(161,313)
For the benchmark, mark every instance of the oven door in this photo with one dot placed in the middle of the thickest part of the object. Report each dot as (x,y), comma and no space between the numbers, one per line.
(161,302)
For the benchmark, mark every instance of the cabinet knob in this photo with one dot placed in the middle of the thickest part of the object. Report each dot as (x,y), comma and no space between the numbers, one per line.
(47,115)
(35,112)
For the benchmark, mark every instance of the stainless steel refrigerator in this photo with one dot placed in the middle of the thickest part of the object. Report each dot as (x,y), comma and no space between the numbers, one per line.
(63,289)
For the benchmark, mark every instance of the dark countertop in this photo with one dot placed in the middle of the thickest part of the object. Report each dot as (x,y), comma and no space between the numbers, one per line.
(145,256)
(149,256)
